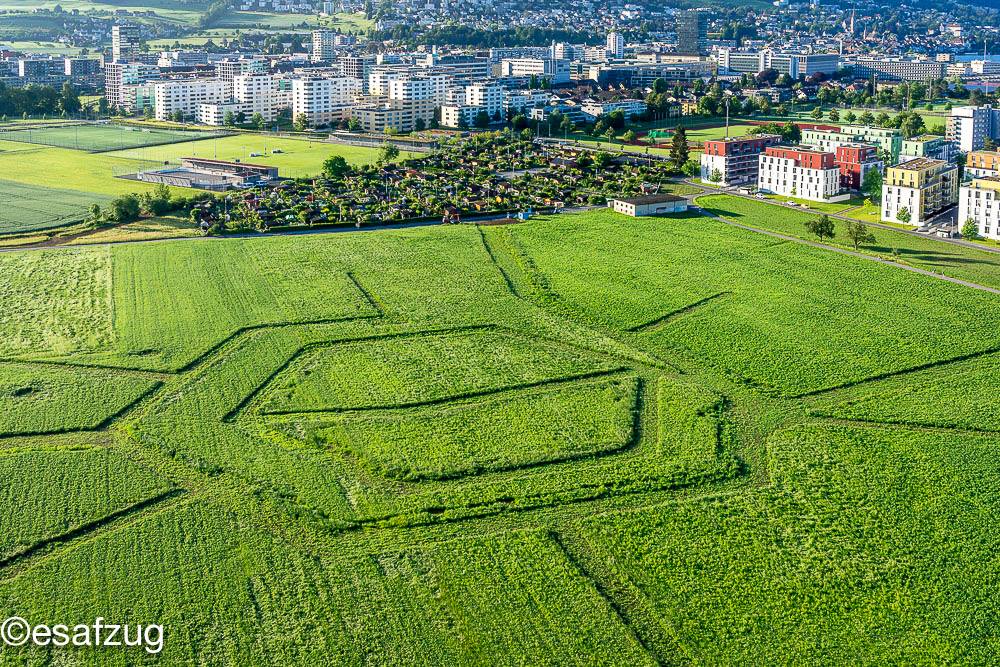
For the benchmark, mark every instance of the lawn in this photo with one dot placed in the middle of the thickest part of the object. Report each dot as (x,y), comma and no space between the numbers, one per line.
(97,138)
(298,157)
(34,207)
(586,438)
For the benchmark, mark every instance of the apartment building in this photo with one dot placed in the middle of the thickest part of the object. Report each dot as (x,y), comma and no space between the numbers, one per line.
(418,87)
(982,164)
(899,69)
(215,114)
(379,116)
(980,202)
(736,160)
(927,145)
(795,65)
(888,140)
(324,100)
(356,67)
(616,45)
(969,127)
(923,187)
(257,93)
(631,108)
(120,76)
(230,68)
(324,45)
(556,71)
(800,172)
(518,101)
(692,32)
(186,95)
(124,42)
(854,161)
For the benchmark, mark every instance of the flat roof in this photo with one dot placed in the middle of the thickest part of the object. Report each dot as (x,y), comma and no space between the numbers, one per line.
(919,164)
(651,199)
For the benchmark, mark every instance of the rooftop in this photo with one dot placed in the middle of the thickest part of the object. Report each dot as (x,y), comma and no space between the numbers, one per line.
(919,164)
(651,199)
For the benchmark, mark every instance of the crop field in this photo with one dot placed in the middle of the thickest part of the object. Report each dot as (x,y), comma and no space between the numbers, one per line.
(100,138)
(585,439)
(25,207)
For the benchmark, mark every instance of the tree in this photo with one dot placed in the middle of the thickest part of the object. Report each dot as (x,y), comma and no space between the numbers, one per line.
(124,209)
(715,176)
(989,144)
(691,168)
(419,125)
(679,151)
(849,117)
(229,119)
(904,215)
(834,115)
(482,120)
(821,226)
(866,118)
(872,185)
(970,230)
(336,166)
(629,136)
(300,123)
(257,120)
(388,153)
(858,232)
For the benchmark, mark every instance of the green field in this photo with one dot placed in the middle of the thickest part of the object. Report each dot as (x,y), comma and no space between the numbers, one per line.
(72,180)
(99,138)
(584,439)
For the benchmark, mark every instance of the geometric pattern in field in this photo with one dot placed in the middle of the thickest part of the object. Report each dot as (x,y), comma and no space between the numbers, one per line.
(26,208)
(101,137)
(465,457)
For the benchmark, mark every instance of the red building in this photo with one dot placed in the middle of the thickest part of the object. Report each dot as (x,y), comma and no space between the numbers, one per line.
(854,162)
(735,159)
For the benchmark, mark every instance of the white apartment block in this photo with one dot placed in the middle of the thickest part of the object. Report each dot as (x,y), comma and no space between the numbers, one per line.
(119,76)
(186,95)
(324,100)
(794,172)
(628,107)
(418,88)
(215,114)
(486,95)
(257,93)
(324,45)
(557,71)
(522,100)
(616,45)
(980,202)
(970,126)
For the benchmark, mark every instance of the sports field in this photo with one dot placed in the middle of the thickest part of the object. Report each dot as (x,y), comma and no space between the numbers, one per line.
(100,137)
(584,439)
(72,180)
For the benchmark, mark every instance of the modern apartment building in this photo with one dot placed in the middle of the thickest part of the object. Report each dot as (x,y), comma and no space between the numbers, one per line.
(398,115)
(980,202)
(418,87)
(899,69)
(922,187)
(927,145)
(186,95)
(800,172)
(969,127)
(257,93)
(631,108)
(795,65)
(556,71)
(324,100)
(888,140)
(616,45)
(854,161)
(470,102)
(692,32)
(124,42)
(735,160)
(119,76)
(982,164)
(324,45)
(522,100)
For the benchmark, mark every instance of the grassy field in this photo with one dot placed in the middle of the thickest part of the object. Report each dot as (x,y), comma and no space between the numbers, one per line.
(586,439)
(72,180)
(96,138)
(978,266)
(298,157)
